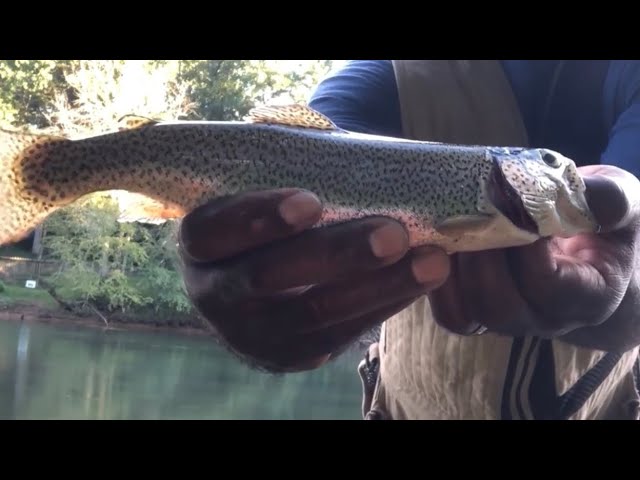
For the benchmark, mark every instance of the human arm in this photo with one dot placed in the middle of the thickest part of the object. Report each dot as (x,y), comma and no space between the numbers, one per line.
(361,97)
(584,289)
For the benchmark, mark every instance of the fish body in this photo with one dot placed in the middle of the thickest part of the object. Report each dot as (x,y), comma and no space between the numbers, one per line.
(459,197)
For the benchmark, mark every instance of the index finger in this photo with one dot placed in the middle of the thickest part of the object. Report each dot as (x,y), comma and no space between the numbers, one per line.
(226,227)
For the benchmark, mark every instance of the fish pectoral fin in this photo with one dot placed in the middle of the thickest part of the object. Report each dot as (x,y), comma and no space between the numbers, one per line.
(463,225)
(131,121)
(142,209)
(293,115)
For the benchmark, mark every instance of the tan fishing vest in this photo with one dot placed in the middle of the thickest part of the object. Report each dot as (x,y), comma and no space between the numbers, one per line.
(426,372)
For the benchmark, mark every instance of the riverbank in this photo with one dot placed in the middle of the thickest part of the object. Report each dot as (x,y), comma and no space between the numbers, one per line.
(36,314)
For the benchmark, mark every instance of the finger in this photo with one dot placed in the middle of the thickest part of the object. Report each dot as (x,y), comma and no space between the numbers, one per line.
(324,255)
(488,294)
(313,349)
(607,201)
(341,302)
(229,293)
(613,196)
(226,227)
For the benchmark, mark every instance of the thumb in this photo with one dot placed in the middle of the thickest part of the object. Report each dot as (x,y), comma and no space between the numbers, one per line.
(614,198)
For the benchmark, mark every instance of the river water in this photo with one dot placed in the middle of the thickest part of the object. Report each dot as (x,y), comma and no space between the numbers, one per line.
(62,372)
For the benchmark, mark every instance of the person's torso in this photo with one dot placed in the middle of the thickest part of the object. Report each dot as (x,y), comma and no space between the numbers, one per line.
(562,104)
(571,109)
(429,373)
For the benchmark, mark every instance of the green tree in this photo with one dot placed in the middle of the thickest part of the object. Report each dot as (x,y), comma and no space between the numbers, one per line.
(28,88)
(228,89)
(73,93)
(112,265)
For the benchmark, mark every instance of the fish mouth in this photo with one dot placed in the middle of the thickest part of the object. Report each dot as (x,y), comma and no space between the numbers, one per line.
(507,200)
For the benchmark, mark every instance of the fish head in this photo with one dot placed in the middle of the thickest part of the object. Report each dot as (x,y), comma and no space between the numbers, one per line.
(540,190)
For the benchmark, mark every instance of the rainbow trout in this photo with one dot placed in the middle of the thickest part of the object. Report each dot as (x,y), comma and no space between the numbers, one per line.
(461,198)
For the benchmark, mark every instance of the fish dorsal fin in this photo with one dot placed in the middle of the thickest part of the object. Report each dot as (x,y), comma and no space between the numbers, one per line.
(131,121)
(293,115)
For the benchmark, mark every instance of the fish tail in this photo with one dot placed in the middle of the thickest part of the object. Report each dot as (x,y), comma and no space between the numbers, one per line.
(23,206)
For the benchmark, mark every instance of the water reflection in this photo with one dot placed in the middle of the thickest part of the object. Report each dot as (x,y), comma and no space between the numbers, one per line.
(53,372)
(22,360)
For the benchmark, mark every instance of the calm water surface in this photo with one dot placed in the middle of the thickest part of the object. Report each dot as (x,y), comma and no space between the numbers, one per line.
(61,372)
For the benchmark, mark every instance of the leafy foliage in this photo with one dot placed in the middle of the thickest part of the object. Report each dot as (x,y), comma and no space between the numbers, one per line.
(28,86)
(116,266)
(228,89)
(68,93)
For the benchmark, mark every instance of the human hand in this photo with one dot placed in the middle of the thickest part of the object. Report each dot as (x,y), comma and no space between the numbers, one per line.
(557,285)
(286,297)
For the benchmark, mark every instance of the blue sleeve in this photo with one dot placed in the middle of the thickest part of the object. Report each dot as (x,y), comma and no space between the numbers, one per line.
(622,97)
(361,96)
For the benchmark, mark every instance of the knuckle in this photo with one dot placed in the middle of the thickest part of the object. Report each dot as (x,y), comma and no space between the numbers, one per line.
(351,244)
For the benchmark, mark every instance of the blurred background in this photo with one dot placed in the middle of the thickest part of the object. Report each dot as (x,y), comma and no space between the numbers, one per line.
(94,322)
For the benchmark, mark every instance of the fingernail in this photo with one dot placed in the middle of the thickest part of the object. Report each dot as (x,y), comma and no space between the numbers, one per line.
(606,199)
(299,208)
(388,241)
(430,267)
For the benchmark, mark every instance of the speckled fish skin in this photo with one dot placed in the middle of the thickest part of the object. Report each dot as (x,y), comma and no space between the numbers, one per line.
(461,198)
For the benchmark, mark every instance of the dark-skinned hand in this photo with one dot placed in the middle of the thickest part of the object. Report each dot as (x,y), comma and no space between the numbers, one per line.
(584,287)
(284,296)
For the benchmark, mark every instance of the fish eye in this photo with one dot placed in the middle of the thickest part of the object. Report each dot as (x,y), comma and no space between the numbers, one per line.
(550,159)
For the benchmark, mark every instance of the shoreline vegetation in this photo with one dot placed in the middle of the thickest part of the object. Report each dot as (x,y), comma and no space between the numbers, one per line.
(50,303)
(24,312)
